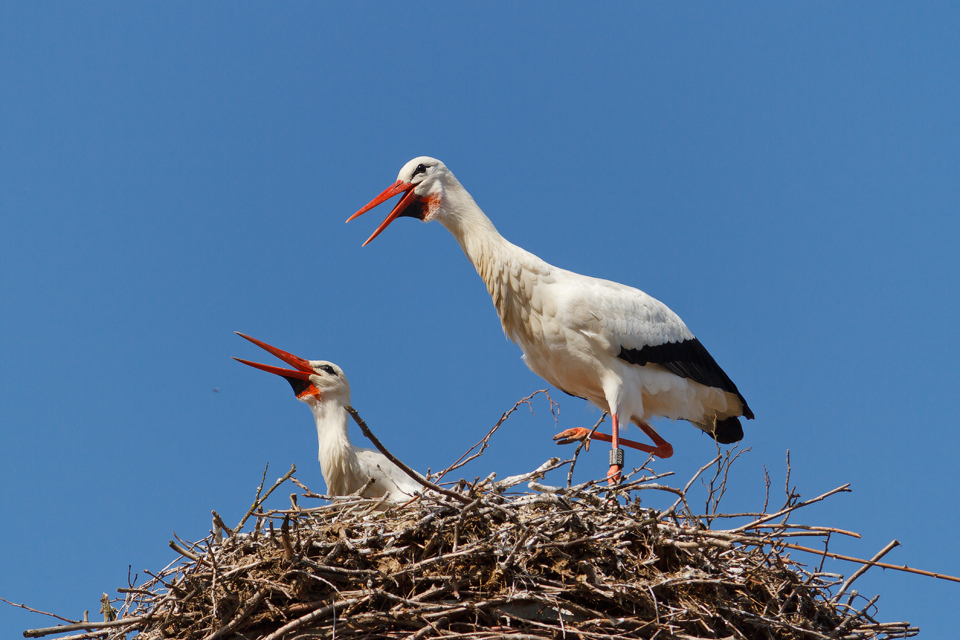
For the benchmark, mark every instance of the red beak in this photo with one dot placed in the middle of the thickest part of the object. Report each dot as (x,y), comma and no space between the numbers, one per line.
(298,378)
(397,187)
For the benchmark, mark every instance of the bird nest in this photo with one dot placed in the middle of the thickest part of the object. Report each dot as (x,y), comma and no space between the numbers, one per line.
(581,561)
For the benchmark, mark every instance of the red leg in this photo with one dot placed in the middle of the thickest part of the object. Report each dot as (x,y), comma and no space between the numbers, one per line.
(662,450)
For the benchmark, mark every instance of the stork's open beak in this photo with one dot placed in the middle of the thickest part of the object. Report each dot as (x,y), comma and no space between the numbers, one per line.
(399,210)
(298,378)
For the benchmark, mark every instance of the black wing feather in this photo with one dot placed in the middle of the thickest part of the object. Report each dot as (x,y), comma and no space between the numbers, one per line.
(687,359)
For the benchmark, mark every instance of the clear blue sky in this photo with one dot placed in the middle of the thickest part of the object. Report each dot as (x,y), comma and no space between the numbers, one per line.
(786,178)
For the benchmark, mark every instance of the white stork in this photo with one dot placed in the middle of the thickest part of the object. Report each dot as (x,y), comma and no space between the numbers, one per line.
(611,344)
(346,468)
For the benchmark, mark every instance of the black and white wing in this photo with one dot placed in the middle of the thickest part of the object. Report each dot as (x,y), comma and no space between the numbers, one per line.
(641,330)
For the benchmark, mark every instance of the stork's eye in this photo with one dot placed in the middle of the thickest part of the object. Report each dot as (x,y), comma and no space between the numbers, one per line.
(420,169)
(328,369)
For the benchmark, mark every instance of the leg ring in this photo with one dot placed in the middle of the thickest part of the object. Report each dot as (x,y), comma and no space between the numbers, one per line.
(616,457)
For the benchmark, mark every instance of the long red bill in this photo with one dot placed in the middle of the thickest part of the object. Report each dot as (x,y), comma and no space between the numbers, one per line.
(298,378)
(280,371)
(397,187)
(294,361)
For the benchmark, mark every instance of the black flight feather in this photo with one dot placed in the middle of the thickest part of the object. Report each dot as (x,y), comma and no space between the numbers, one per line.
(689,359)
(728,431)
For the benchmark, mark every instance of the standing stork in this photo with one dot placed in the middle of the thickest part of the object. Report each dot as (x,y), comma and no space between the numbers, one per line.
(614,345)
(323,387)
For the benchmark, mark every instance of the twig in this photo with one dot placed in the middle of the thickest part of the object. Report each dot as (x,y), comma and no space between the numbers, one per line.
(716,494)
(786,482)
(583,443)
(219,522)
(407,470)
(307,493)
(184,552)
(83,626)
(93,634)
(512,481)
(766,482)
(258,501)
(882,565)
(52,615)
(485,441)
(823,558)
(683,492)
(853,615)
(803,527)
(786,510)
(859,572)
(310,617)
(285,538)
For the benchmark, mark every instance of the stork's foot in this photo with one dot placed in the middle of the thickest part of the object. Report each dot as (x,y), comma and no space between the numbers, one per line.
(662,450)
(574,435)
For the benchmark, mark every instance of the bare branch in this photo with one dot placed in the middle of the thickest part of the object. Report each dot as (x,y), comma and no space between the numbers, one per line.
(871,563)
(581,445)
(862,570)
(485,441)
(842,489)
(259,501)
(407,470)
(31,610)
(83,626)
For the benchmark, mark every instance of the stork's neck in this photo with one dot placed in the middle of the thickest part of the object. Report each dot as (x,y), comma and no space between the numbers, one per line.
(510,272)
(470,226)
(338,457)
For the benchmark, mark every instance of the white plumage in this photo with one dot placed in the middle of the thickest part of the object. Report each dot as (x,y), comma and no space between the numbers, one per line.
(614,345)
(323,387)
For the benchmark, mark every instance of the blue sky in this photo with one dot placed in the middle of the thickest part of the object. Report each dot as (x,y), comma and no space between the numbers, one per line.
(785,177)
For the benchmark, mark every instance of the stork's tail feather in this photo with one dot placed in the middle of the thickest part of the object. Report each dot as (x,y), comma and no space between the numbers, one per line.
(728,431)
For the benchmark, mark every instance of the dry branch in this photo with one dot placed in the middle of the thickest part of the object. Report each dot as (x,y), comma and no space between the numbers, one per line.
(407,470)
(258,500)
(871,563)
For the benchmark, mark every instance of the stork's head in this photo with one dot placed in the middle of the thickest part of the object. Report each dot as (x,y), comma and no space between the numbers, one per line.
(312,380)
(425,183)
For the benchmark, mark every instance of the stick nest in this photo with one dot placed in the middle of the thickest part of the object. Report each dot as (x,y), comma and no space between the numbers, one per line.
(485,561)
(552,564)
